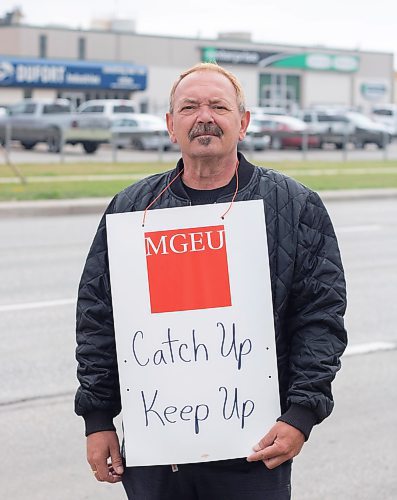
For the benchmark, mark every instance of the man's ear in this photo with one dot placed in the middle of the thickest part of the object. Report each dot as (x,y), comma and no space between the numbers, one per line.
(170,126)
(245,121)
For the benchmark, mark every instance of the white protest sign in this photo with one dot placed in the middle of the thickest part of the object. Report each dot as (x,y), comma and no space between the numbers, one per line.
(194,332)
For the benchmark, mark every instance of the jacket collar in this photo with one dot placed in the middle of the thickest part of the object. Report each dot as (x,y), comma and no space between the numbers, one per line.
(245,173)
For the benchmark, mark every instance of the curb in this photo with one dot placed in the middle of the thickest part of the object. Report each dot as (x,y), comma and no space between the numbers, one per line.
(47,208)
(85,206)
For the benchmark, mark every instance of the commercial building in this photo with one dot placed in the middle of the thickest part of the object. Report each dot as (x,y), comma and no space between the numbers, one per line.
(118,62)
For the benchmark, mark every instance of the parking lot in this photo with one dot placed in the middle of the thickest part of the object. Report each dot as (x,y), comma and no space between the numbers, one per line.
(72,154)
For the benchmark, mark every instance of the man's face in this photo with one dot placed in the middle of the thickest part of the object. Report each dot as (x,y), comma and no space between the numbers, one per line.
(206,120)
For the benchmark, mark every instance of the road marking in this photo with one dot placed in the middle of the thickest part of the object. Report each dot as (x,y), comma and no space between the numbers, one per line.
(354,350)
(351,350)
(36,305)
(30,399)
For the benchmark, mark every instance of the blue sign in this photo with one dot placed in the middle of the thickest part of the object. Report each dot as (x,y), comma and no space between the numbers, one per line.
(71,74)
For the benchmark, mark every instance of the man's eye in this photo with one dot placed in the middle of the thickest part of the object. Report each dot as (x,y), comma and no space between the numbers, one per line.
(220,107)
(187,108)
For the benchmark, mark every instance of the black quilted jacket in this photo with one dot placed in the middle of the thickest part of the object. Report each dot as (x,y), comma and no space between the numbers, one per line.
(308,288)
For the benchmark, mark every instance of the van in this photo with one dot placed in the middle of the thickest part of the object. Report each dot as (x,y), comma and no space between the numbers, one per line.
(111,109)
(387,115)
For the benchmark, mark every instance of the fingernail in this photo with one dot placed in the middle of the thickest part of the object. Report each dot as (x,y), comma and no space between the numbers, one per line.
(119,470)
(256,447)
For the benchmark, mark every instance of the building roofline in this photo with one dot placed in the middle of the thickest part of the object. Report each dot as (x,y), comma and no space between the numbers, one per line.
(254,44)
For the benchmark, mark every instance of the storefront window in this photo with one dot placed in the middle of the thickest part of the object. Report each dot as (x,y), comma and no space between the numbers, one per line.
(43,46)
(81,48)
(279,91)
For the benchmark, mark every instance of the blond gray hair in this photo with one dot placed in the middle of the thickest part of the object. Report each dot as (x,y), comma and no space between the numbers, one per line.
(211,67)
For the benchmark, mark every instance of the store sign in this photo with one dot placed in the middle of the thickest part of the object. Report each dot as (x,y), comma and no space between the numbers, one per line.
(229,56)
(305,61)
(68,75)
(373,91)
(319,62)
(194,330)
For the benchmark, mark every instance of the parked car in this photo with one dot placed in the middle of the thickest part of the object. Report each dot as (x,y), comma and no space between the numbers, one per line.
(54,122)
(286,131)
(324,121)
(3,110)
(255,139)
(367,131)
(387,115)
(110,109)
(141,131)
(339,128)
(268,110)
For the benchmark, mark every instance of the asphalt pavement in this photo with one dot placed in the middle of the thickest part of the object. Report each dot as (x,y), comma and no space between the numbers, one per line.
(351,456)
(105,153)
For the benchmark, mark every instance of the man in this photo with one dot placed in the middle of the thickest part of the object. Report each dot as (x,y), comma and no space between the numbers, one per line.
(207,118)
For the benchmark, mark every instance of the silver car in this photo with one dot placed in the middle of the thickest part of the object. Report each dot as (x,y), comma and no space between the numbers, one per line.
(140,131)
(255,139)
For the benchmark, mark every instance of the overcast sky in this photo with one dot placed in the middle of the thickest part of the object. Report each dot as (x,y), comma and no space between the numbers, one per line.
(346,24)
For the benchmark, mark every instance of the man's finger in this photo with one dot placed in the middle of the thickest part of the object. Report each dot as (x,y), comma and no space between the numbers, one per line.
(266,441)
(264,454)
(102,446)
(116,460)
(94,471)
(272,463)
(114,477)
(102,471)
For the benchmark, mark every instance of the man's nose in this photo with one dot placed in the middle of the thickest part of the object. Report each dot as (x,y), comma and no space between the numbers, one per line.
(204,114)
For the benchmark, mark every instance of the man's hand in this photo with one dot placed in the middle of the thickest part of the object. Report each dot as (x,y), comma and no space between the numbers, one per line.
(281,443)
(100,447)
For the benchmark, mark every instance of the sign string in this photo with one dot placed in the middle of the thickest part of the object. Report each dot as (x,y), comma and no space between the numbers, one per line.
(175,178)
(157,197)
(235,192)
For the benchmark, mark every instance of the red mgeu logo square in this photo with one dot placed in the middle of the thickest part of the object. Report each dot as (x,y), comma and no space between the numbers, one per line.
(187,269)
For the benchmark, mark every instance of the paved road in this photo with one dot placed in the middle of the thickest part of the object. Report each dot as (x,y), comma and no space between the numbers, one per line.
(73,154)
(351,456)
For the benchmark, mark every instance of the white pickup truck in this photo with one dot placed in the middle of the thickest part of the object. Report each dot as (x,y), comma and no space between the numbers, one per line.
(53,122)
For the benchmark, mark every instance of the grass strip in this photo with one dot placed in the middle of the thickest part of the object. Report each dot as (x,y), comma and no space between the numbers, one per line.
(52,181)
(55,169)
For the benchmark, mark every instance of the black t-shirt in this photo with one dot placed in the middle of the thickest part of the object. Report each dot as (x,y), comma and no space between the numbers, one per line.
(207,196)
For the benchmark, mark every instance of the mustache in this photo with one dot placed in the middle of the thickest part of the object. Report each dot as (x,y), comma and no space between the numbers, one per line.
(205,129)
